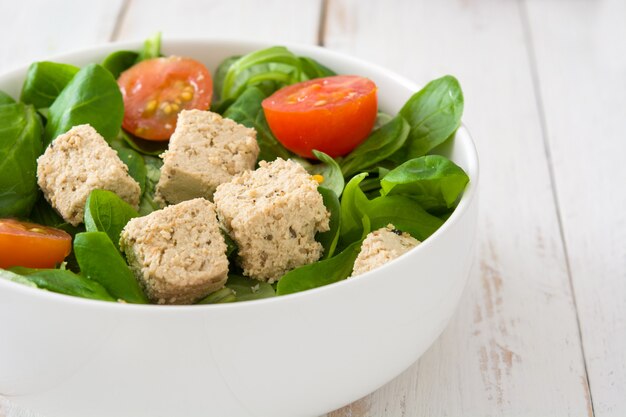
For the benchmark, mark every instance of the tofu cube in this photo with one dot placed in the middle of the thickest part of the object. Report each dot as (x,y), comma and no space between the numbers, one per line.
(178,253)
(273,214)
(380,247)
(78,162)
(205,151)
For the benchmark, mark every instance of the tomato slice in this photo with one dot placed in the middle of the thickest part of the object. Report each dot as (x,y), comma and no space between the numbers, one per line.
(156,90)
(331,114)
(32,245)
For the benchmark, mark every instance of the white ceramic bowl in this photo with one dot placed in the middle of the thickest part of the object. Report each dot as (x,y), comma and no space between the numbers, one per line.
(299,355)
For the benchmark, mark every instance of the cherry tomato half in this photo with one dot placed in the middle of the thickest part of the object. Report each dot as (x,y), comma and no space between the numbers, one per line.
(332,114)
(32,245)
(156,90)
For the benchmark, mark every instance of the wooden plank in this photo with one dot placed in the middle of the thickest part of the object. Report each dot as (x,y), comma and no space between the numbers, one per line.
(37,29)
(581,77)
(513,347)
(271,20)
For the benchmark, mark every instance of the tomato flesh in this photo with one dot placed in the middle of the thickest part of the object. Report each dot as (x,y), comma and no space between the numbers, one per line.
(332,114)
(32,245)
(156,90)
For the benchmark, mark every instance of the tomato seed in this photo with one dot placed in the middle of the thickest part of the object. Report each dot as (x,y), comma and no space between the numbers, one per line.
(319,178)
(151,106)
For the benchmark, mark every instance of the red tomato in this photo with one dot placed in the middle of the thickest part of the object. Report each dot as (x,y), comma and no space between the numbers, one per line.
(32,245)
(332,114)
(156,90)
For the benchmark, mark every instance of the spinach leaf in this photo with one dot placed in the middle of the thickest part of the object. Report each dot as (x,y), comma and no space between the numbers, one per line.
(330,238)
(247,110)
(239,288)
(267,77)
(433,181)
(133,160)
(320,273)
(270,147)
(101,262)
(12,276)
(231,245)
(43,213)
(106,212)
(382,171)
(381,144)
(220,74)
(61,281)
(382,119)
(246,289)
(434,113)
(329,169)
(268,69)
(445,216)
(119,61)
(403,212)
(147,204)
(144,147)
(313,69)
(352,202)
(151,48)
(284,69)
(93,97)
(221,296)
(20,145)
(371,185)
(45,81)
(5,98)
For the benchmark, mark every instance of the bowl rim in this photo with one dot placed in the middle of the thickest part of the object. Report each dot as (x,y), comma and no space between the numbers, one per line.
(171,42)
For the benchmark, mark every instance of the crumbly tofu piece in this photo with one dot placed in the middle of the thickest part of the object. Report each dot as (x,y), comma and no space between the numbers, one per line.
(78,162)
(273,214)
(178,253)
(205,151)
(380,247)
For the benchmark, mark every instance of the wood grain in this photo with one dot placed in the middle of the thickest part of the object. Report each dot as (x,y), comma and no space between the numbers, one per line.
(513,347)
(36,29)
(581,77)
(271,20)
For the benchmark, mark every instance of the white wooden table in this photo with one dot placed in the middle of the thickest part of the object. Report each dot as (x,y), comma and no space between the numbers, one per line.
(541,330)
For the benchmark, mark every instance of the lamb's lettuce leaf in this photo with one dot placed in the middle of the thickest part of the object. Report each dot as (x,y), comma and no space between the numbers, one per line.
(20,145)
(92,97)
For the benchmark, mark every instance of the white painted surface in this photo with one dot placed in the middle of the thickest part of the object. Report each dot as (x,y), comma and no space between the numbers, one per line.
(581,71)
(267,20)
(514,347)
(36,29)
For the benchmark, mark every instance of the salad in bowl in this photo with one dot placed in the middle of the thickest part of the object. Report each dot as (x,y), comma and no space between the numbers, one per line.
(259,256)
(303,179)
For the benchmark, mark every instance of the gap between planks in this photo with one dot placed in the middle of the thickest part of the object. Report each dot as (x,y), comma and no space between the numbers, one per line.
(533,67)
(321,32)
(121,15)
